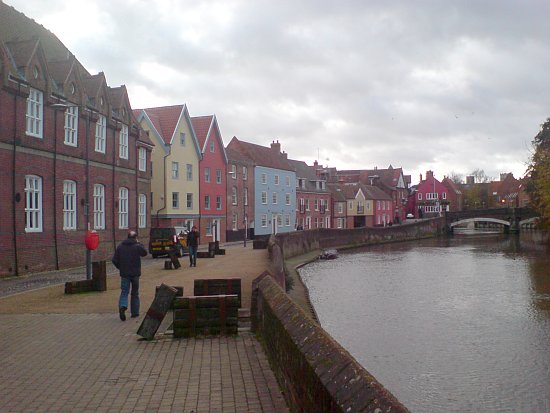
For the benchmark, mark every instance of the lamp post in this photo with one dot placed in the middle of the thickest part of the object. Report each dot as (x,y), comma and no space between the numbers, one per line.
(64,107)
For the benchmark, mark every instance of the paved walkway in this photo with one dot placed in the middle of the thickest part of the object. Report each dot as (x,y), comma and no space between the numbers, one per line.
(72,353)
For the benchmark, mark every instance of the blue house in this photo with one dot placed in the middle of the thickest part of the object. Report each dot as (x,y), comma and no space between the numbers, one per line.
(274,187)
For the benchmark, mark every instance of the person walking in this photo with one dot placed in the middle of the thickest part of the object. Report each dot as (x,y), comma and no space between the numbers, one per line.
(127,259)
(193,245)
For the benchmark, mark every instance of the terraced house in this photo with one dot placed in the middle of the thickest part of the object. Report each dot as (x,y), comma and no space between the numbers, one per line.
(175,182)
(274,187)
(212,177)
(72,157)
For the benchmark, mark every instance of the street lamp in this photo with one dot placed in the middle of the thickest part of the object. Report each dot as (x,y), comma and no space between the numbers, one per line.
(64,107)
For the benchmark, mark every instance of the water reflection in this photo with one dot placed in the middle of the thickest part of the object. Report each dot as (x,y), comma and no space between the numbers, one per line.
(453,324)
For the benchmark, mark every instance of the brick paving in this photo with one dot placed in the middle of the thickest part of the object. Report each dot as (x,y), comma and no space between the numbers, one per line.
(93,362)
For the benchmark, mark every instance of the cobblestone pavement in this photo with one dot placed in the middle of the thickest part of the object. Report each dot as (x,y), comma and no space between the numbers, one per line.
(61,353)
(95,363)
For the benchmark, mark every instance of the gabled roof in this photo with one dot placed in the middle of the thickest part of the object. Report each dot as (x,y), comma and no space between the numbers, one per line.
(164,122)
(303,171)
(260,155)
(206,128)
(451,185)
(350,191)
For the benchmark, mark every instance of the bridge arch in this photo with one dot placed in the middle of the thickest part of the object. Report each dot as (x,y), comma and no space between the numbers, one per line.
(468,220)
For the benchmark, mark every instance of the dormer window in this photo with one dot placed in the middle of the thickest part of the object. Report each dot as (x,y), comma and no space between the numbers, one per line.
(35,72)
(73,89)
(101,101)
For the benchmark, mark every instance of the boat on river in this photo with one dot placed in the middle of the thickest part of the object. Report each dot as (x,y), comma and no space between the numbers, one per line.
(329,255)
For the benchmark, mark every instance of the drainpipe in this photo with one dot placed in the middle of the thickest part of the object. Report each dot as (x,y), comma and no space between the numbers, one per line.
(113,185)
(164,177)
(15,197)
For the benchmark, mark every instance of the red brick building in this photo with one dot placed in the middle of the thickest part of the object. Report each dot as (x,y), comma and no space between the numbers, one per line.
(212,189)
(72,157)
(313,201)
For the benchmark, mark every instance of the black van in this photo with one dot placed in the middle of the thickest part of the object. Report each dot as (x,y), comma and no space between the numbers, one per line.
(163,241)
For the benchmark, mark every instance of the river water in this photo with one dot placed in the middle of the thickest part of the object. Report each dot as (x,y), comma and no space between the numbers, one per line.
(458,324)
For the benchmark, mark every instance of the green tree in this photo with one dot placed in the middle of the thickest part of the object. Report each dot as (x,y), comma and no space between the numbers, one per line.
(538,174)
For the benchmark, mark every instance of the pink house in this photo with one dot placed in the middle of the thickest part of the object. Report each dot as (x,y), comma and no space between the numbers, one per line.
(430,198)
(212,173)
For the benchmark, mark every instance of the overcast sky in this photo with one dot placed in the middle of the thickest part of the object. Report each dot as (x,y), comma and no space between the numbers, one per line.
(440,85)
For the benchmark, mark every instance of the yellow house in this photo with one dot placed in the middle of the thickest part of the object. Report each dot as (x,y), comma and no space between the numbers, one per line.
(175,166)
(360,209)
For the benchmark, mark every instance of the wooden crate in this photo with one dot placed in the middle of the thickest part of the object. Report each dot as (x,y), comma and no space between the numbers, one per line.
(218,286)
(206,315)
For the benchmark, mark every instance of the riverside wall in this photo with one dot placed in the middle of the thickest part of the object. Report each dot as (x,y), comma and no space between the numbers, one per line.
(315,372)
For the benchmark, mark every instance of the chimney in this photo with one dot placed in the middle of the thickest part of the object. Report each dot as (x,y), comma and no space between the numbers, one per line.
(315,163)
(470,180)
(503,176)
(285,155)
(276,146)
(420,177)
(429,175)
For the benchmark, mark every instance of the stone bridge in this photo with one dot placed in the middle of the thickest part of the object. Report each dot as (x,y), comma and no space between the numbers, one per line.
(511,218)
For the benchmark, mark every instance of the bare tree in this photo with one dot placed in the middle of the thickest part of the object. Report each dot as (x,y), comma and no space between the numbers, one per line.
(480,176)
(456,177)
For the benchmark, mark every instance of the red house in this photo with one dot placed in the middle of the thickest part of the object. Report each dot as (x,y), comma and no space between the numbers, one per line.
(430,198)
(212,189)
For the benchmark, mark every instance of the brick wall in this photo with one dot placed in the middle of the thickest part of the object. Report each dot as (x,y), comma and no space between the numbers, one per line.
(314,371)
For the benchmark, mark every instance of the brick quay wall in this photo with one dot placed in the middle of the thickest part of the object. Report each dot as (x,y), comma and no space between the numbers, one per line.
(314,371)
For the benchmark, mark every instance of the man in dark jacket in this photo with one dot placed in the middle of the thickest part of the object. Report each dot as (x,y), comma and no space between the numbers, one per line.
(193,245)
(127,259)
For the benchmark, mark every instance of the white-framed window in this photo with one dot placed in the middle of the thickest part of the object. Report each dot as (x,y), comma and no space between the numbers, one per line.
(207,202)
(209,228)
(142,159)
(276,179)
(175,170)
(340,223)
(420,196)
(234,171)
(431,195)
(189,172)
(378,205)
(245,173)
(340,208)
(279,220)
(123,142)
(34,115)
(182,138)
(444,195)
(264,197)
(212,146)
(307,204)
(175,200)
(234,220)
(218,176)
(316,204)
(123,208)
(71,126)
(264,179)
(287,220)
(245,196)
(218,202)
(100,134)
(287,179)
(99,206)
(350,205)
(189,200)
(264,220)
(234,195)
(207,174)
(274,198)
(327,222)
(69,205)
(142,211)
(33,203)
